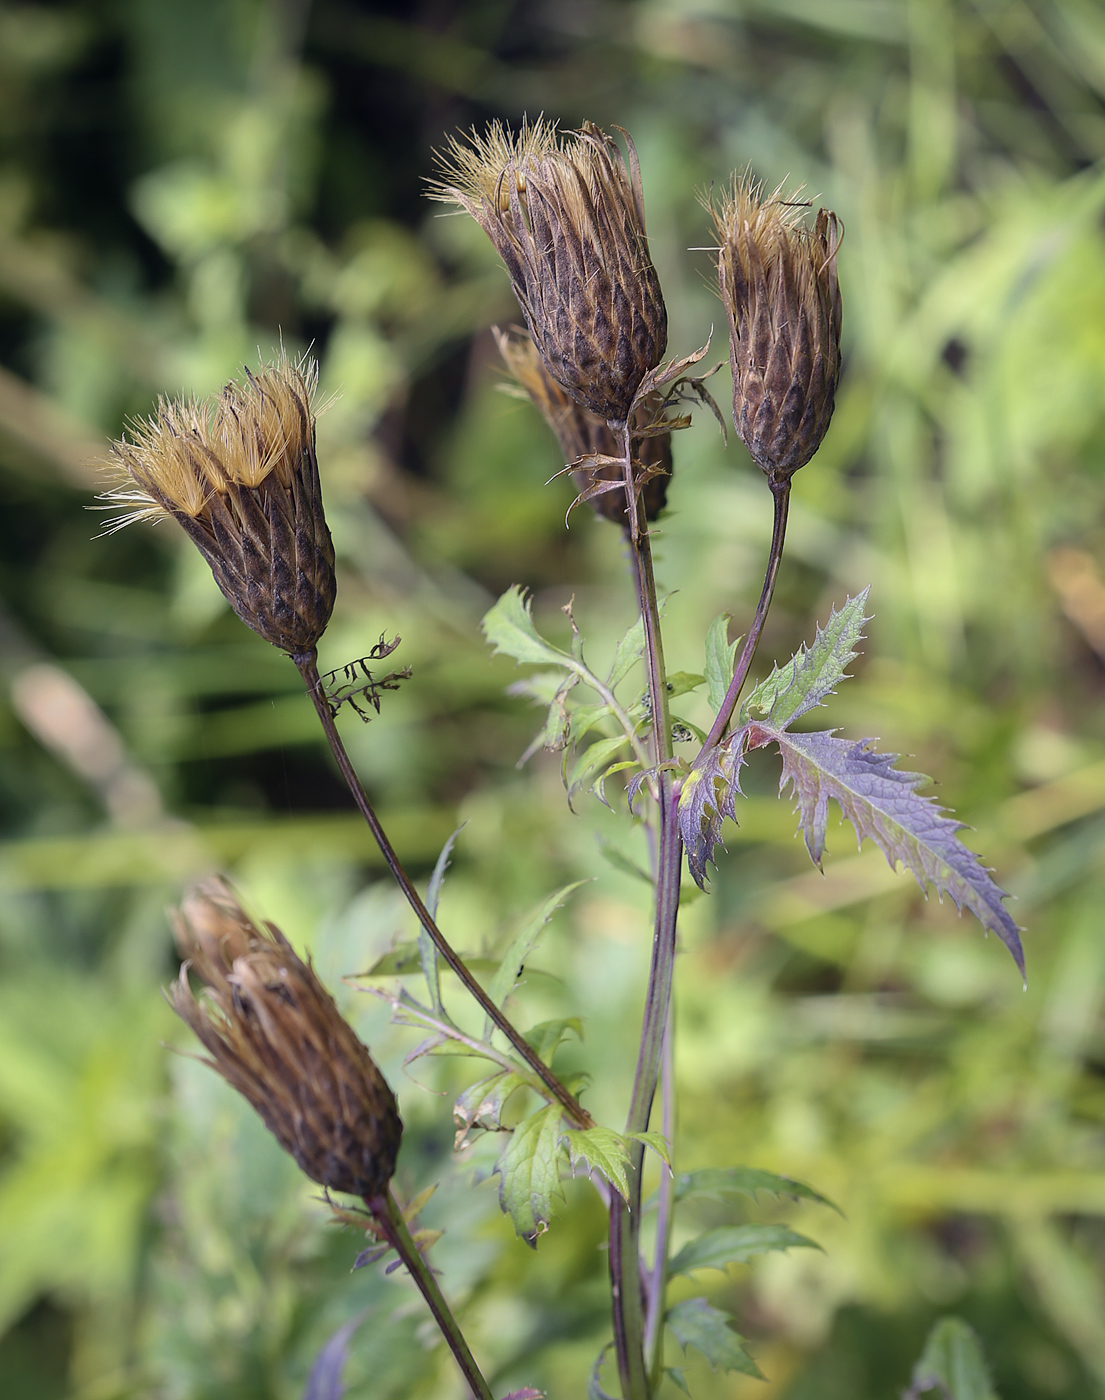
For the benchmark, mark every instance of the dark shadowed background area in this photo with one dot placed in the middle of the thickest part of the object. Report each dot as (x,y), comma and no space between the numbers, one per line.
(184,183)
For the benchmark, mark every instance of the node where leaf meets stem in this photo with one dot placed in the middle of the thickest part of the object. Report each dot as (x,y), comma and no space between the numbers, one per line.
(625,1271)
(307,663)
(390,1220)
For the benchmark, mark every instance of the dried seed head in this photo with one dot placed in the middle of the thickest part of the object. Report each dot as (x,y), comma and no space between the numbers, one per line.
(567,217)
(240,476)
(580,433)
(274,1033)
(778,281)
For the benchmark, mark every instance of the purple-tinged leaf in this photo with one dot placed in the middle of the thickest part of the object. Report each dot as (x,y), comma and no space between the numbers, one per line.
(882,802)
(708,795)
(814,672)
(325,1380)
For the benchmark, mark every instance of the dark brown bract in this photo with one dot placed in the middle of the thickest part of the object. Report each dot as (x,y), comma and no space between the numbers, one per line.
(274,1033)
(778,281)
(240,476)
(567,217)
(581,433)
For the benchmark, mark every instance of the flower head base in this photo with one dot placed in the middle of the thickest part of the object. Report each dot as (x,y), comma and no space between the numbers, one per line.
(581,434)
(240,476)
(567,218)
(274,1033)
(778,281)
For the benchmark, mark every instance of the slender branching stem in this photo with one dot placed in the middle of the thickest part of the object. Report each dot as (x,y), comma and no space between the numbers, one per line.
(665,1213)
(393,1227)
(308,668)
(625,1215)
(781,491)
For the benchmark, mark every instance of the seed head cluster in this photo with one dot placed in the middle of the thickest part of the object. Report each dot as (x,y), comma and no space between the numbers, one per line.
(274,1033)
(240,475)
(581,433)
(567,217)
(778,281)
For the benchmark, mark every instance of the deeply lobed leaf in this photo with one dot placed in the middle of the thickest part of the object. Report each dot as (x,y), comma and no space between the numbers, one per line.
(882,802)
(719,1182)
(529,1172)
(695,1323)
(814,672)
(952,1364)
(707,796)
(736,1244)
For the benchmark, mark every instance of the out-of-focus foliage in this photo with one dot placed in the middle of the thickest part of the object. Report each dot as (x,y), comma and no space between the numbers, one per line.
(182,182)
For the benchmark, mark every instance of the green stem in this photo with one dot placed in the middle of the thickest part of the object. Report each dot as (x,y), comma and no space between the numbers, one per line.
(781,492)
(394,1229)
(665,1213)
(308,669)
(625,1215)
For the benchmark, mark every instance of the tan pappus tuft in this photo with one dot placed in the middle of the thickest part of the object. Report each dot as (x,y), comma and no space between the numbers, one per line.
(580,433)
(275,1034)
(239,473)
(778,281)
(567,217)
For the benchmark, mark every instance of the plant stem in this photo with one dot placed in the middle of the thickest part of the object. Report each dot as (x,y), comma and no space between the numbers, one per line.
(394,1229)
(308,669)
(781,492)
(654,1314)
(625,1216)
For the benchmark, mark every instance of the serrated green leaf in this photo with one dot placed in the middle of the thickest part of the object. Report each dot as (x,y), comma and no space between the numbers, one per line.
(522,945)
(546,1036)
(584,718)
(814,672)
(558,722)
(624,864)
(599,786)
(683,682)
(718,1182)
(481,1105)
(695,1323)
(718,668)
(736,1244)
(406,958)
(529,1172)
(630,650)
(594,760)
(655,1142)
(675,1374)
(509,627)
(540,686)
(953,1363)
(601,1150)
(427,949)
(594,1382)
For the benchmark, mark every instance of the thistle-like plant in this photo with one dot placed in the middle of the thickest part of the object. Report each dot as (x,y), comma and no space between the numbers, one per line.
(566,213)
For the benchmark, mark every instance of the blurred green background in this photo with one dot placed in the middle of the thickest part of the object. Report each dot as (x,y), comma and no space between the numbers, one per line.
(183,183)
